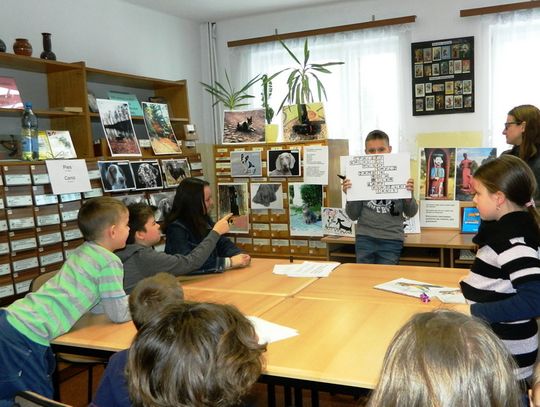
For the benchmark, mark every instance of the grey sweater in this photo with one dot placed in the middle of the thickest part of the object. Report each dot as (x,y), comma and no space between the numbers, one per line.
(142,261)
(376,220)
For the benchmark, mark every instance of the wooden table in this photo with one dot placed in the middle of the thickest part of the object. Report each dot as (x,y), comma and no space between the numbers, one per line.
(256,279)
(355,282)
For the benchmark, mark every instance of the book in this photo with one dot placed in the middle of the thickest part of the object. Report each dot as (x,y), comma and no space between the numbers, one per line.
(60,144)
(132,101)
(414,288)
(45,152)
(69,109)
(10,98)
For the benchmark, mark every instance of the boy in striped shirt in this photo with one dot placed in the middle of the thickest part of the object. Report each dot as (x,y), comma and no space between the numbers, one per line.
(90,279)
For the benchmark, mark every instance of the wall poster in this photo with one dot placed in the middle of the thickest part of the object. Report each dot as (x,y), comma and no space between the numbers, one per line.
(443,76)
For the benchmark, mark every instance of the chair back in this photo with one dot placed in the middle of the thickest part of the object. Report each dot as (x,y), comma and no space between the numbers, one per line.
(41,279)
(31,399)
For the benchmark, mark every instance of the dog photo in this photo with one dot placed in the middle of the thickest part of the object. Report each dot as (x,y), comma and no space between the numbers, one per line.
(147,175)
(246,164)
(116,176)
(336,222)
(118,128)
(243,126)
(174,171)
(305,204)
(163,202)
(304,122)
(284,163)
(233,198)
(131,199)
(159,129)
(266,196)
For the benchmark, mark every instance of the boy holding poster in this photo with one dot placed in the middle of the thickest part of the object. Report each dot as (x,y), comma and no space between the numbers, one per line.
(379,229)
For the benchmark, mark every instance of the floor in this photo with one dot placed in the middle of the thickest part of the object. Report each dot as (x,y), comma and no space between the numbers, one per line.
(73,391)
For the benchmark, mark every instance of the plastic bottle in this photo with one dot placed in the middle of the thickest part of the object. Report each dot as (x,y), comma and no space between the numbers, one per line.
(29,134)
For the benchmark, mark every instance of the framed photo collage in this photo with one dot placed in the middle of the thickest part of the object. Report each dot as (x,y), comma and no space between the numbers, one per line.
(443,76)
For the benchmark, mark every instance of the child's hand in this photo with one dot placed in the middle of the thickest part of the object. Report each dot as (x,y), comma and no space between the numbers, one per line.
(346,184)
(222,225)
(240,260)
(410,185)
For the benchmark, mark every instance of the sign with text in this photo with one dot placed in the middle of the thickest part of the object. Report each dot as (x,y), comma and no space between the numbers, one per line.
(68,176)
(439,214)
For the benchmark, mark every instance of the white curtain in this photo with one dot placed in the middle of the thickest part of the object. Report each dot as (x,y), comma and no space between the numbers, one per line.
(514,60)
(363,94)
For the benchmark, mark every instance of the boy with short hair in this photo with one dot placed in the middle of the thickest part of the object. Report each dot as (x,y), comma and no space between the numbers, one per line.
(91,276)
(141,260)
(147,300)
(379,228)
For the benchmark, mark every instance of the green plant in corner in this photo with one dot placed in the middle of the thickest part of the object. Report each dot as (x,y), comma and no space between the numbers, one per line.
(300,77)
(230,97)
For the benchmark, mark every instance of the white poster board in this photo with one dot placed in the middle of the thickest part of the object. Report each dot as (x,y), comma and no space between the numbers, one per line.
(439,214)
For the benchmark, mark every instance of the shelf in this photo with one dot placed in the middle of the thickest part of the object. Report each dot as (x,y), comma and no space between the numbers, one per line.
(133,81)
(39,113)
(32,64)
(141,118)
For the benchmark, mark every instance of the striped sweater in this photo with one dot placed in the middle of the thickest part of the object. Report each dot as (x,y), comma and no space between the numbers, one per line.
(90,276)
(503,285)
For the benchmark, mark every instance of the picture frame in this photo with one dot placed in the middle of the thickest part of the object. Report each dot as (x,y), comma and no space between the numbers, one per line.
(445,68)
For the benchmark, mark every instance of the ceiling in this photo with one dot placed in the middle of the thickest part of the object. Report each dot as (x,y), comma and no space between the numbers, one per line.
(216,10)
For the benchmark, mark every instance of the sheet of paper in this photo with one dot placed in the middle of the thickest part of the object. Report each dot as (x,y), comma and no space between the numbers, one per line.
(439,214)
(415,288)
(412,225)
(68,176)
(316,165)
(378,176)
(306,269)
(269,332)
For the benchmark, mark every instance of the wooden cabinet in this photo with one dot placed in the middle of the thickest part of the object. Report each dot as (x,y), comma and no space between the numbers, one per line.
(52,86)
(269,232)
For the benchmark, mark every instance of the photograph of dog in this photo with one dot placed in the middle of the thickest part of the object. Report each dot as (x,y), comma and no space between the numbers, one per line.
(131,199)
(147,175)
(174,171)
(266,196)
(246,164)
(284,163)
(336,222)
(163,202)
(243,126)
(305,204)
(116,176)
(233,197)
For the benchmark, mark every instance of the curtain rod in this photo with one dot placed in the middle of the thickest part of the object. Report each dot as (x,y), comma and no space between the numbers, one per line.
(321,31)
(524,5)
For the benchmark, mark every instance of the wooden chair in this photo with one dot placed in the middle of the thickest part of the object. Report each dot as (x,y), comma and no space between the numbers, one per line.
(86,362)
(31,399)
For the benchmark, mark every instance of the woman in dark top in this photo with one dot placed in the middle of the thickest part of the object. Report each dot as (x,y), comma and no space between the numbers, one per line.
(189,222)
(522,130)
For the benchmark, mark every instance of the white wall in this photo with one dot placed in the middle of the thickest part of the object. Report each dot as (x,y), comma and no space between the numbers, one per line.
(436,19)
(111,35)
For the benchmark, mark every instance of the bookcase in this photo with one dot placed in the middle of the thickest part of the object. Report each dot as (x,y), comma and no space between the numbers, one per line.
(269,232)
(53,86)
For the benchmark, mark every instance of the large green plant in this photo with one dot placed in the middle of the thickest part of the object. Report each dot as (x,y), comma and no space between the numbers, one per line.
(302,75)
(228,95)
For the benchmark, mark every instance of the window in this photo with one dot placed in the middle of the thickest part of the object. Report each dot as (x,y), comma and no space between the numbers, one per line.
(363,94)
(514,61)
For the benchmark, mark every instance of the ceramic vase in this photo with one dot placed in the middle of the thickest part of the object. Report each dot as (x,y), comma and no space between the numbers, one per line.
(22,46)
(47,48)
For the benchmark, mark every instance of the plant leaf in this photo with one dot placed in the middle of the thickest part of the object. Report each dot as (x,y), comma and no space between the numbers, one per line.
(290,52)
(306,52)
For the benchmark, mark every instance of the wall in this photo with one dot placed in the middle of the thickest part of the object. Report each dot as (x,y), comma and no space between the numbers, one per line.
(111,35)
(436,19)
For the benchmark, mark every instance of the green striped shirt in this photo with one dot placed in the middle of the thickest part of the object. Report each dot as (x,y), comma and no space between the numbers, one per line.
(91,274)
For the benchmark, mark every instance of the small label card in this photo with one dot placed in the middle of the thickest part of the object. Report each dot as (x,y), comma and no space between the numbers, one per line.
(68,176)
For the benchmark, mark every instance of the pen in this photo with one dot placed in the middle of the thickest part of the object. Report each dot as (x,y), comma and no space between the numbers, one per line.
(343,177)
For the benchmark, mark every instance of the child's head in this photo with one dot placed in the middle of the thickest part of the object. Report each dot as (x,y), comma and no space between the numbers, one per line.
(143,228)
(377,142)
(444,358)
(152,295)
(196,354)
(506,178)
(104,219)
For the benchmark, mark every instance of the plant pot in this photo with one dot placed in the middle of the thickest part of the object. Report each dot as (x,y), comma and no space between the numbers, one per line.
(271,133)
(22,46)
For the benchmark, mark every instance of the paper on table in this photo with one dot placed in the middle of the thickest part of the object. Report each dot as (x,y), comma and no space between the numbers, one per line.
(306,269)
(415,288)
(269,332)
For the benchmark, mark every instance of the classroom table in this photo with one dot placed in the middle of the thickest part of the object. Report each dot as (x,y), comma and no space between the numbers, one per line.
(256,278)
(355,282)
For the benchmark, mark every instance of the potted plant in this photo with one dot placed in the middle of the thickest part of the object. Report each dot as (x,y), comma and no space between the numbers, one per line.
(300,82)
(230,97)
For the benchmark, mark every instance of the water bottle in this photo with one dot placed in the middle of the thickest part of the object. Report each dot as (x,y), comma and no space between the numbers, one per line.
(29,134)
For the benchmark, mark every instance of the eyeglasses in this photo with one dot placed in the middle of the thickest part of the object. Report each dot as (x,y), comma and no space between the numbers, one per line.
(507,124)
